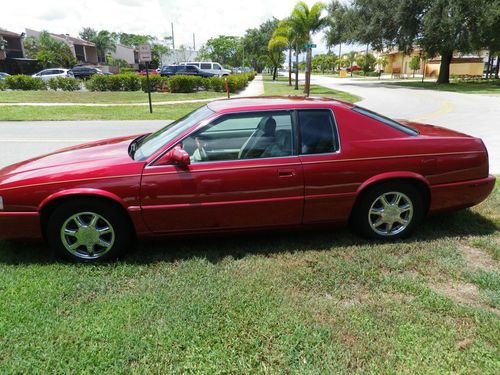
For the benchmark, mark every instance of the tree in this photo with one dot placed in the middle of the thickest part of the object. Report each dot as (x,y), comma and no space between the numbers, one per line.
(284,30)
(305,22)
(104,43)
(157,53)
(224,49)
(382,61)
(351,59)
(53,53)
(336,32)
(366,62)
(88,34)
(440,27)
(276,46)
(133,40)
(488,35)
(256,41)
(324,62)
(30,45)
(415,64)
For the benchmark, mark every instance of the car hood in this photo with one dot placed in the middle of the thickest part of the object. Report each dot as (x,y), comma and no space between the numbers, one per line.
(87,156)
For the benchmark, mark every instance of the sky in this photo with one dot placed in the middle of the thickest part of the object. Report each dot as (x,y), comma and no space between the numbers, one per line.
(204,18)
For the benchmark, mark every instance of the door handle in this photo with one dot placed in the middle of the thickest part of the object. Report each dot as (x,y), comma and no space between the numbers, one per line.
(286,172)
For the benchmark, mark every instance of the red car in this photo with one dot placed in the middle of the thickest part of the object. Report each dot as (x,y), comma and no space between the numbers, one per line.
(254,163)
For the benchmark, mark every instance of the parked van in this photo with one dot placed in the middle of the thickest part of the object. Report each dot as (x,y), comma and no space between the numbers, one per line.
(208,66)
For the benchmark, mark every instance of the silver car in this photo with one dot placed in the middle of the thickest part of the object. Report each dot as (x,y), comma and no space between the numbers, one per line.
(47,74)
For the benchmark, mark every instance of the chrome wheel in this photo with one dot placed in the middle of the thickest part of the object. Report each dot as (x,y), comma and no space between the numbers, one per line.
(87,235)
(390,213)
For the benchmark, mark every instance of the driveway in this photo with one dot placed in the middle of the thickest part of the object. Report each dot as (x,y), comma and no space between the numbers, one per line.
(20,140)
(474,114)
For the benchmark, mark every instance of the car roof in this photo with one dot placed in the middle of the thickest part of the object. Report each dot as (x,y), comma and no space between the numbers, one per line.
(275,102)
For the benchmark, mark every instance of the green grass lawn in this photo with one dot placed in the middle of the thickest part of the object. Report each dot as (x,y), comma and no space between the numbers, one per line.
(466,88)
(34,113)
(280,87)
(320,302)
(98,97)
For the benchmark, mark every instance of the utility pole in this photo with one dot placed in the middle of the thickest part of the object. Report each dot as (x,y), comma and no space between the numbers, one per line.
(194,42)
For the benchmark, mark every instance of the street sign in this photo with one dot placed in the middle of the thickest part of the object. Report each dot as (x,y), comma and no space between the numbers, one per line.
(310,45)
(144,53)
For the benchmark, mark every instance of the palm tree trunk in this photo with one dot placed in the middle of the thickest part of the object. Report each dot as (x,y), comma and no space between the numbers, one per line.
(307,87)
(340,53)
(290,67)
(296,67)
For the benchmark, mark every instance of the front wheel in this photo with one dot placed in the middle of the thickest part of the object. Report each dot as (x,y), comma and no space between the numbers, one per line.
(88,231)
(389,211)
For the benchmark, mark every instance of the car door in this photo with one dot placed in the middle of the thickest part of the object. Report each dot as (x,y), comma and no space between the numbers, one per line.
(329,193)
(244,173)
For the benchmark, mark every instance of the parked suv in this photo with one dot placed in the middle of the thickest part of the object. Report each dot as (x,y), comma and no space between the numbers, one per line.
(47,74)
(211,67)
(85,72)
(188,70)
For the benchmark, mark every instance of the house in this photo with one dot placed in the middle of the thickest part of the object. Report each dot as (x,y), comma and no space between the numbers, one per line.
(84,52)
(128,54)
(12,58)
(399,63)
(11,45)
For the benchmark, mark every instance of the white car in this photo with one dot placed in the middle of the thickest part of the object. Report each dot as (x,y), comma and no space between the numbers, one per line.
(47,74)
(210,67)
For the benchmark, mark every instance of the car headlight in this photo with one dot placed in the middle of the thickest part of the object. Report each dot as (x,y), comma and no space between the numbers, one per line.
(1,203)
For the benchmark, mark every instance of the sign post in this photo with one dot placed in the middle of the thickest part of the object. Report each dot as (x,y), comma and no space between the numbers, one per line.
(145,56)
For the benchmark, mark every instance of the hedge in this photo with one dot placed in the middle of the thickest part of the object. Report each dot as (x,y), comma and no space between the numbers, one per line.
(24,82)
(3,85)
(156,82)
(115,82)
(64,83)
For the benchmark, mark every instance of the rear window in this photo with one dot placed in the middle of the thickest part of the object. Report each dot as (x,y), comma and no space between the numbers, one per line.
(317,132)
(206,66)
(386,121)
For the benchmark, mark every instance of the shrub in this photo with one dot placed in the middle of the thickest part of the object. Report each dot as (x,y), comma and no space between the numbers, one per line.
(215,84)
(237,82)
(156,82)
(64,83)
(186,84)
(3,85)
(24,82)
(116,82)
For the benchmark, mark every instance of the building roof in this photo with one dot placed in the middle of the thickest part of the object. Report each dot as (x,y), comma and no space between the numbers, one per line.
(9,33)
(74,40)
(274,102)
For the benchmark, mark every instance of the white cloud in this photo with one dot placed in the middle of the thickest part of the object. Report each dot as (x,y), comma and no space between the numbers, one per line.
(204,18)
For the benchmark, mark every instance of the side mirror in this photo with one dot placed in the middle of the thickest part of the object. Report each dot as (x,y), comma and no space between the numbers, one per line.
(176,156)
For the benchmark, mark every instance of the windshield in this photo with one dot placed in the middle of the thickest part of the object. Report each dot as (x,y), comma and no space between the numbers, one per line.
(153,142)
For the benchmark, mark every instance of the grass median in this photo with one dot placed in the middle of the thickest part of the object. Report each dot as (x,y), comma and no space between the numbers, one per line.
(287,302)
(464,87)
(53,113)
(99,97)
(280,87)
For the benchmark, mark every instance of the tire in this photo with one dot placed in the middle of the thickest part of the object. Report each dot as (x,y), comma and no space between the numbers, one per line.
(389,211)
(88,230)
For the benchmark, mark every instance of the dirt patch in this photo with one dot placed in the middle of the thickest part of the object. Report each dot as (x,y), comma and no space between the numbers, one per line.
(464,293)
(478,259)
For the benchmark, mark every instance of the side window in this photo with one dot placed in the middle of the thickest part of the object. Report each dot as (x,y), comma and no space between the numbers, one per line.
(47,72)
(191,68)
(243,136)
(206,66)
(317,132)
(217,67)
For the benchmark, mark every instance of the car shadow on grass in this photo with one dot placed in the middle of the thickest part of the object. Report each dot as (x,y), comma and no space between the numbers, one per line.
(215,248)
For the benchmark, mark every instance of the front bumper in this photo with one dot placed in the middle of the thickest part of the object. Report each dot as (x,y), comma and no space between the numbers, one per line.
(459,195)
(20,225)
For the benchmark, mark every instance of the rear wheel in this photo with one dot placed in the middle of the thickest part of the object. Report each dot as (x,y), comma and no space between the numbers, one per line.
(389,211)
(88,231)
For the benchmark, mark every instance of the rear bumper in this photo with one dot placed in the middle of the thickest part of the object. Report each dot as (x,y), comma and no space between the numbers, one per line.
(459,195)
(20,225)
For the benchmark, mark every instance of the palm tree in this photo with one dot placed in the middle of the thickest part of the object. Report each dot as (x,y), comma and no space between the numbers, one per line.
(103,43)
(305,22)
(275,47)
(351,58)
(285,31)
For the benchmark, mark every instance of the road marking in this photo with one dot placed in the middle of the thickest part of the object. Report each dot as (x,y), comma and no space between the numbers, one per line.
(445,108)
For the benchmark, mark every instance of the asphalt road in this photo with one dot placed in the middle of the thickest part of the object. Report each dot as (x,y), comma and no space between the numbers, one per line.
(20,140)
(474,114)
